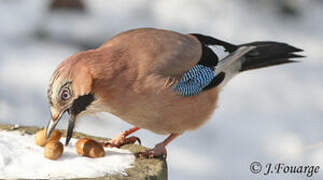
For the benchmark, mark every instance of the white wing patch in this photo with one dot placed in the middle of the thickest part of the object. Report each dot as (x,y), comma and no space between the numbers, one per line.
(219,51)
(231,64)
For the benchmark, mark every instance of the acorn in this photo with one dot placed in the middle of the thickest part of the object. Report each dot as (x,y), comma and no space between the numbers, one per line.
(40,137)
(53,150)
(89,148)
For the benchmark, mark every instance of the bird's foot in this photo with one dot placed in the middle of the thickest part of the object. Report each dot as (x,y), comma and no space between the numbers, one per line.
(120,140)
(159,151)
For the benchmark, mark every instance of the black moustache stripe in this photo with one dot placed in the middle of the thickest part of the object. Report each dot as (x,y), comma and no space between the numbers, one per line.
(81,103)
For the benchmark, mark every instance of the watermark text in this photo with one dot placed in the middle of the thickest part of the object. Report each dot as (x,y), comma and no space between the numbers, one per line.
(282,168)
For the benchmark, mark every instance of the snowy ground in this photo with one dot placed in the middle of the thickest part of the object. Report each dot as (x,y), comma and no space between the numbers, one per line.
(271,115)
(20,157)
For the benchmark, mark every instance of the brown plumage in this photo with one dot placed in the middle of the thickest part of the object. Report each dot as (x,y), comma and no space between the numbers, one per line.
(132,76)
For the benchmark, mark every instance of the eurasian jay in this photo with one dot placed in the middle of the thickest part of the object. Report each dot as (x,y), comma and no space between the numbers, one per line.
(160,80)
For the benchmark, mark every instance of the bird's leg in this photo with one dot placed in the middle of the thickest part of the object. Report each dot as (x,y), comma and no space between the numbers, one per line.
(159,151)
(121,139)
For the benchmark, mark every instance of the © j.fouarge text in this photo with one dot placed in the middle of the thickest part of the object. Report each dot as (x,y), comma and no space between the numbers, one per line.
(282,168)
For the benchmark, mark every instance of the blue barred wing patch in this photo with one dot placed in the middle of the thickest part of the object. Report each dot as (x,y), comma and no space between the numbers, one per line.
(194,80)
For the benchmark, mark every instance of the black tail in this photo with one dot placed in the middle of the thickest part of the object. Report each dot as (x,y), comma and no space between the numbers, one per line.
(268,54)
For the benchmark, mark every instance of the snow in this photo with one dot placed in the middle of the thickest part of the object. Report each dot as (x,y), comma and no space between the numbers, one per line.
(21,158)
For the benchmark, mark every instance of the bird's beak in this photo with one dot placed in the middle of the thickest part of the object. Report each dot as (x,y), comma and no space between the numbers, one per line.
(55,118)
(71,123)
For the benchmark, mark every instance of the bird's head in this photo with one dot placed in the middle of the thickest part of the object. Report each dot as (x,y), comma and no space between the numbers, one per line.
(69,91)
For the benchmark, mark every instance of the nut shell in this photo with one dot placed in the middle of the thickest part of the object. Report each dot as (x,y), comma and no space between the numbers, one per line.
(53,150)
(89,148)
(40,137)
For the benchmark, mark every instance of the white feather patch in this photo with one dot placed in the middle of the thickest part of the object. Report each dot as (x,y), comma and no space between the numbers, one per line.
(219,51)
(231,64)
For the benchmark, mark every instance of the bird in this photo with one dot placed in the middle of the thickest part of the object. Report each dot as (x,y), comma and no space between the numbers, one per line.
(160,80)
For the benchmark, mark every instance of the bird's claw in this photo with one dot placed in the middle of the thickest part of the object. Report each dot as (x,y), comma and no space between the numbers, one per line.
(129,140)
(150,154)
(159,151)
(132,140)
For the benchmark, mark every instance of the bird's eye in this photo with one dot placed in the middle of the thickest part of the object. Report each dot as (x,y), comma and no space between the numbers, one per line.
(66,95)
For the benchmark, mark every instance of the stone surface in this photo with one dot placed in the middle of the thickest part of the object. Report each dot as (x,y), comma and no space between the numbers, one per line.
(148,169)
